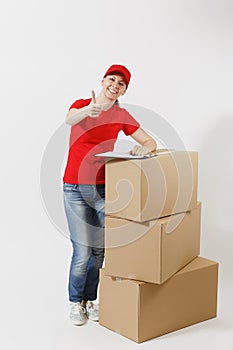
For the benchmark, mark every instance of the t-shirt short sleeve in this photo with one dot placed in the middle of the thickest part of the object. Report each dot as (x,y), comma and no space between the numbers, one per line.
(80,103)
(130,124)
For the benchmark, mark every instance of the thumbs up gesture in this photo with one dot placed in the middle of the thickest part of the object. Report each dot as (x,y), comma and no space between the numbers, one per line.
(93,96)
(95,108)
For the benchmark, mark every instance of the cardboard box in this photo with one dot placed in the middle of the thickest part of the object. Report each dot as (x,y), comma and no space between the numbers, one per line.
(141,311)
(151,251)
(145,189)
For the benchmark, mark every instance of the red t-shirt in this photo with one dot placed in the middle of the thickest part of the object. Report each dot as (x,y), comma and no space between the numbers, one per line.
(91,136)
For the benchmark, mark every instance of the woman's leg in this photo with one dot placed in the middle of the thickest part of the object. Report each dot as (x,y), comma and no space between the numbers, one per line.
(97,249)
(78,271)
(79,217)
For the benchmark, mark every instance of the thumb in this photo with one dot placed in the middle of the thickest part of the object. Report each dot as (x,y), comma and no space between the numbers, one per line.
(93,96)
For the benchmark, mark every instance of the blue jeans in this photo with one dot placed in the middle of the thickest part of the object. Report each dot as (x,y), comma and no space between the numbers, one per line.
(85,212)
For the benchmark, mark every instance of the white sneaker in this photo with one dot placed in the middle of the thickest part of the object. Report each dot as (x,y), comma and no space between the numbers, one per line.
(92,311)
(78,314)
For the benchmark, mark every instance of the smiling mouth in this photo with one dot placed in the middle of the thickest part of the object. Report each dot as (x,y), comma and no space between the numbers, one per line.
(112,91)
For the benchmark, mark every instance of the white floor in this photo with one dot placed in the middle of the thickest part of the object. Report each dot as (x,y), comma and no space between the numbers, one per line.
(34,308)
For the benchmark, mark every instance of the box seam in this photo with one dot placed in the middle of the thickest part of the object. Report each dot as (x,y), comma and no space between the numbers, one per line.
(141,191)
(161,252)
(139,312)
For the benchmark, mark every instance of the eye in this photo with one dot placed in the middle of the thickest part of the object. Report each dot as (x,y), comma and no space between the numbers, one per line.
(112,79)
(122,84)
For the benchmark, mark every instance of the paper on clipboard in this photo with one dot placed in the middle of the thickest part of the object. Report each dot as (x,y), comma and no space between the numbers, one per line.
(124,155)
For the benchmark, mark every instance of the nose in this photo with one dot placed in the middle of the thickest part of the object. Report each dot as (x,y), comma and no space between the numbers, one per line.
(115,84)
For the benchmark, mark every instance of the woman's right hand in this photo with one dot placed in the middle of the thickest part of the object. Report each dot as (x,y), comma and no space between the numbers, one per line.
(95,108)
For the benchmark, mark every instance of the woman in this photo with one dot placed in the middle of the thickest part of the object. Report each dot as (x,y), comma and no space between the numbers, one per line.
(95,123)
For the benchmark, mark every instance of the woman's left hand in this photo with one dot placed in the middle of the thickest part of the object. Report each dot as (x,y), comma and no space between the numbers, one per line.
(139,151)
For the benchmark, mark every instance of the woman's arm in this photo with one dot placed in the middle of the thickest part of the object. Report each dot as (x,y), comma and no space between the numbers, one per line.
(148,144)
(75,115)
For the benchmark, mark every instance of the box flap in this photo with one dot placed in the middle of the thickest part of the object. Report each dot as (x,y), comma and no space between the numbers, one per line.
(124,196)
(117,279)
(171,222)
(121,232)
(195,264)
(118,306)
(180,241)
(133,249)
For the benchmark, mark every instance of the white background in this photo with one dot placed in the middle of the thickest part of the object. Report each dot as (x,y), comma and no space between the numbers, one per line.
(180,54)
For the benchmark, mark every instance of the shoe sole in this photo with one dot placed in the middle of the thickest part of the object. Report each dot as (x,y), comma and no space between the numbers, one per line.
(78,323)
(93,319)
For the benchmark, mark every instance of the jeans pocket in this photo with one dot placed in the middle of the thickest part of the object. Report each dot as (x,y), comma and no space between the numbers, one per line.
(70,187)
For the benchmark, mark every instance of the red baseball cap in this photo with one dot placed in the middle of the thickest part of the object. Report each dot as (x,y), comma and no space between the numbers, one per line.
(119,69)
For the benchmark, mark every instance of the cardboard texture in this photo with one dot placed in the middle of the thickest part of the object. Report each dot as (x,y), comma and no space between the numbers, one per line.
(151,251)
(142,311)
(146,189)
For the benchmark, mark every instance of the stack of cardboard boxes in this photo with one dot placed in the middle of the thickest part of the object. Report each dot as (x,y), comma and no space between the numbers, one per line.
(154,282)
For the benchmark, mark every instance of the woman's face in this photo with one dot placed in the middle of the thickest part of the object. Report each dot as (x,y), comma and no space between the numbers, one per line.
(113,86)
